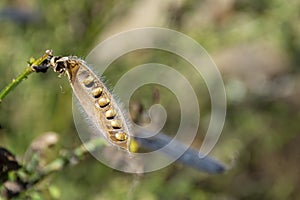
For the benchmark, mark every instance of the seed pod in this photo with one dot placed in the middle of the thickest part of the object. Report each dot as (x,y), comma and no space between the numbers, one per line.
(96,100)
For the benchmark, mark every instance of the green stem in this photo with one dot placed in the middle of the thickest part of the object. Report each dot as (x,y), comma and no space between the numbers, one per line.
(16,81)
(63,161)
(75,156)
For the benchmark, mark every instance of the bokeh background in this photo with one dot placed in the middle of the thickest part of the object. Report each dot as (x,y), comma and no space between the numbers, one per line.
(255,44)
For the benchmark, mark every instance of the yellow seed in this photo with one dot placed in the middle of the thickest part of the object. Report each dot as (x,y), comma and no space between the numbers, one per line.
(97,92)
(88,82)
(110,113)
(104,101)
(134,146)
(116,123)
(121,136)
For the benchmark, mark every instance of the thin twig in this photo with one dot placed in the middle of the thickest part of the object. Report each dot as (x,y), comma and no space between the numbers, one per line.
(68,158)
(73,157)
(16,81)
(27,180)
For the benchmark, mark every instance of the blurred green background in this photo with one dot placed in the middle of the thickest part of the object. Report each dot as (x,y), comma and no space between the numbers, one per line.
(255,44)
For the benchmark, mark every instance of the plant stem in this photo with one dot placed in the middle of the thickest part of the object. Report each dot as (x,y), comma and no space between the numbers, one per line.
(66,159)
(16,81)
(73,157)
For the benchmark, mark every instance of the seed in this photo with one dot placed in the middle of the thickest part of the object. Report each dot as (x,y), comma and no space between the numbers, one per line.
(97,92)
(110,113)
(104,101)
(89,81)
(116,123)
(121,136)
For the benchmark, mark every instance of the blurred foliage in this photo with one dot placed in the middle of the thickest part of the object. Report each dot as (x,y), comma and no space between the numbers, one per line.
(261,134)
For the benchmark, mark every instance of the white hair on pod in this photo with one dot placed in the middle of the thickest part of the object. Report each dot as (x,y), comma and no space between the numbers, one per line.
(96,99)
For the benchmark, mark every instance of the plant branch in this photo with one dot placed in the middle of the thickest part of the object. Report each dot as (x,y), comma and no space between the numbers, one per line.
(16,81)
(73,157)
(26,179)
